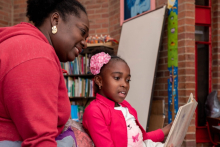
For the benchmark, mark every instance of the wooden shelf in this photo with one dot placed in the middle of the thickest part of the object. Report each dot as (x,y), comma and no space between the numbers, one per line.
(107,44)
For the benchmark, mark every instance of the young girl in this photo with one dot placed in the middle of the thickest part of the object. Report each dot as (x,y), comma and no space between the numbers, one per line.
(110,120)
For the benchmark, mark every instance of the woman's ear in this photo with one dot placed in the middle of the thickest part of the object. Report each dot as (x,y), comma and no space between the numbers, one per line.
(98,80)
(55,18)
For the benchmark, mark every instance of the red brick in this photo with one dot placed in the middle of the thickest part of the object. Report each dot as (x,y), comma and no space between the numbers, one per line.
(94,16)
(105,5)
(101,20)
(102,31)
(102,10)
(94,6)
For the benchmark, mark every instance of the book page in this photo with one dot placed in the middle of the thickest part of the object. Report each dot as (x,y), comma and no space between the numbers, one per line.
(181,123)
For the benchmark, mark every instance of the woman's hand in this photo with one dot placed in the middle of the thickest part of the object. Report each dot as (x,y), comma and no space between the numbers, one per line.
(166,129)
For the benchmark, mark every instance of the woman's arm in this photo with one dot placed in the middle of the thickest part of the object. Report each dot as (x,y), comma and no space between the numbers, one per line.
(31,97)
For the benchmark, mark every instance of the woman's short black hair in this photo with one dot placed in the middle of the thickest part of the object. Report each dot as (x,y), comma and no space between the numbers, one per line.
(39,10)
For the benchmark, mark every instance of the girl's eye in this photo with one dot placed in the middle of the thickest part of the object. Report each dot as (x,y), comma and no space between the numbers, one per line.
(128,81)
(116,78)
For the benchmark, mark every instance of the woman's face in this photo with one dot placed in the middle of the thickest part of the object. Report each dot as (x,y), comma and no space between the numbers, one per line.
(71,36)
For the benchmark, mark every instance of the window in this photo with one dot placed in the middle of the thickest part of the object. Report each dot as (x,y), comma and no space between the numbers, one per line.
(202,80)
(203,65)
(202,33)
(202,2)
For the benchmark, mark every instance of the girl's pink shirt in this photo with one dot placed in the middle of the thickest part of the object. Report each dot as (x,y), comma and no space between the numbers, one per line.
(107,126)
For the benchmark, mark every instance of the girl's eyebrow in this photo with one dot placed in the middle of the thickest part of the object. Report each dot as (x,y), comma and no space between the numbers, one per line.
(120,73)
(117,73)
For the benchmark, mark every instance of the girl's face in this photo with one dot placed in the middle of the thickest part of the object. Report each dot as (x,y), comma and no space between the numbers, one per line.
(71,36)
(114,80)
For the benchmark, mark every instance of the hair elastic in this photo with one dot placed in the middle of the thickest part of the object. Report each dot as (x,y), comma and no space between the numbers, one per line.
(97,61)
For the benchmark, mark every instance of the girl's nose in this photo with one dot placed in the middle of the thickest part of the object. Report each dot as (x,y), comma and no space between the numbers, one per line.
(124,84)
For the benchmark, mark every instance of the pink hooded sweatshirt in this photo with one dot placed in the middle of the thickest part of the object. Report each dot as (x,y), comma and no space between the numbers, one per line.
(34,105)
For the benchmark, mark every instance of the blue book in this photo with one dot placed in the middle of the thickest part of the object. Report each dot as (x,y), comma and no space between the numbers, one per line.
(74,112)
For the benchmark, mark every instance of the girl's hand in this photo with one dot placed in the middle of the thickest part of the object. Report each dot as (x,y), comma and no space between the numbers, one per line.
(166,129)
(171,145)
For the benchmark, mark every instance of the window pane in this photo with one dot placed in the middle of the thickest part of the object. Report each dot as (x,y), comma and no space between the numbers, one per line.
(202,81)
(202,2)
(202,33)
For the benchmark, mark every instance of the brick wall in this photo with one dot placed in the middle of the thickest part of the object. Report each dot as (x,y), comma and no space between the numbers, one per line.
(20,11)
(12,12)
(216,46)
(104,18)
(186,62)
(114,21)
(98,12)
(6,14)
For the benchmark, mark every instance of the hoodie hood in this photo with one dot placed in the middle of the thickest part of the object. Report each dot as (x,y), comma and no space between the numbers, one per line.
(21,29)
(21,43)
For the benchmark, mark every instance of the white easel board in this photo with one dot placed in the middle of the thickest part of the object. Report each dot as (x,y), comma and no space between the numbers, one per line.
(138,46)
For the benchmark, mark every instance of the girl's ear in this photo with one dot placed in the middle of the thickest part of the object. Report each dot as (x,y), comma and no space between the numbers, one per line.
(98,80)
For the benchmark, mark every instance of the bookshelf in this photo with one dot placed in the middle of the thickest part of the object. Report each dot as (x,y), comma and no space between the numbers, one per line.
(79,80)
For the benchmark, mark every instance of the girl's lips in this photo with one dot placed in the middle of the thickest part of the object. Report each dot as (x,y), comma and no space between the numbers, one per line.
(122,94)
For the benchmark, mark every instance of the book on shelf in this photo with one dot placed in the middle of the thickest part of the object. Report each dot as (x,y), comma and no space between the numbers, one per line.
(181,123)
(74,112)
(77,112)
(79,66)
(80,87)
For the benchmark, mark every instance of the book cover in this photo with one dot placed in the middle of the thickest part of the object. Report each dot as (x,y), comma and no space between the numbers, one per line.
(90,88)
(70,83)
(181,123)
(76,66)
(86,88)
(80,86)
(74,112)
(83,87)
(72,63)
(88,69)
(73,89)
(86,64)
(82,65)
(80,113)
(76,87)
(79,64)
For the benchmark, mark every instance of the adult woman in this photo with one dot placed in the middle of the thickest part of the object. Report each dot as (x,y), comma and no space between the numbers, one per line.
(34,105)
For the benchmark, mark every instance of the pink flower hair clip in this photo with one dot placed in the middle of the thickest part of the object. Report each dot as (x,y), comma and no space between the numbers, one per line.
(97,61)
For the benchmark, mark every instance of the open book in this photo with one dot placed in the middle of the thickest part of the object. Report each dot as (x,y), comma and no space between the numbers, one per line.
(181,123)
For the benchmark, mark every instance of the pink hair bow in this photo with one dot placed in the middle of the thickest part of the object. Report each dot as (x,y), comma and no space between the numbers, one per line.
(97,61)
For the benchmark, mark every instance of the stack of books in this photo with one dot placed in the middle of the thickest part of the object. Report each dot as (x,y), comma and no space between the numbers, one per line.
(79,66)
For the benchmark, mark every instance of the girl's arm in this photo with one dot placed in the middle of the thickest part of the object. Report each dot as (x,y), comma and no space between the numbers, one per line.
(94,123)
(156,136)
